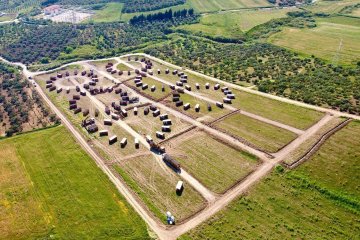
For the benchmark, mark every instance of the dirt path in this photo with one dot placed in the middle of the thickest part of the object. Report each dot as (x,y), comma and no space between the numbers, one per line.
(231,108)
(281,99)
(261,172)
(220,202)
(206,193)
(200,125)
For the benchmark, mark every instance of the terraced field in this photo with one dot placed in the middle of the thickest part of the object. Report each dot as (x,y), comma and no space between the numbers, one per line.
(51,188)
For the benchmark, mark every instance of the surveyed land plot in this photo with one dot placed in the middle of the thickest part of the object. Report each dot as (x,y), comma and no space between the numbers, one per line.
(53,188)
(217,165)
(303,148)
(264,136)
(285,113)
(320,197)
(101,144)
(149,125)
(156,186)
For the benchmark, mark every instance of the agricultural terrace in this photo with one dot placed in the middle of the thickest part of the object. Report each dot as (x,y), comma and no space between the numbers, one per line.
(285,113)
(320,198)
(51,188)
(216,164)
(323,41)
(233,24)
(150,179)
(264,136)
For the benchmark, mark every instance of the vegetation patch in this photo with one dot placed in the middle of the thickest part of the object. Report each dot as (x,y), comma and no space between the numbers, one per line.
(265,136)
(217,165)
(334,40)
(58,184)
(156,183)
(219,5)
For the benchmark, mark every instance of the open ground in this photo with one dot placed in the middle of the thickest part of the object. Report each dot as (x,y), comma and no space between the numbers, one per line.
(246,163)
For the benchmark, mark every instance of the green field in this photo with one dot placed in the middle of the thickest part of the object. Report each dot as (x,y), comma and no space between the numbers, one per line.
(110,13)
(304,147)
(319,200)
(155,185)
(218,5)
(330,7)
(265,136)
(233,24)
(289,114)
(51,189)
(323,41)
(217,165)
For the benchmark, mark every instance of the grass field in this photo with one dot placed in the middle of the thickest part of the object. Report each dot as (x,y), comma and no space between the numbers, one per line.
(218,5)
(355,12)
(318,200)
(155,185)
(81,51)
(233,24)
(216,165)
(323,41)
(7,17)
(265,136)
(304,147)
(51,189)
(110,13)
(292,115)
(330,7)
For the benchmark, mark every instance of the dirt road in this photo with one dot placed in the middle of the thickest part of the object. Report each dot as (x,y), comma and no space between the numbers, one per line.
(220,202)
(231,108)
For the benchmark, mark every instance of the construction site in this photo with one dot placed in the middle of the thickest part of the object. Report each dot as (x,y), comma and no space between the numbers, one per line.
(184,144)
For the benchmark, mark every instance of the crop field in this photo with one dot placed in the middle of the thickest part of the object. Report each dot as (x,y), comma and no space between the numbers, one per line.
(215,164)
(323,41)
(218,5)
(233,24)
(289,114)
(204,115)
(265,136)
(320,198)
(50,188)
(155,184)
(148,125)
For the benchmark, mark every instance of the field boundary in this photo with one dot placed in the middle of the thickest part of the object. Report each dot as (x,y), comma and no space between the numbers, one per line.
(178,134)
(223,117)
(315,147)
